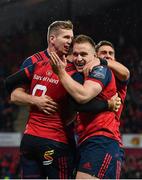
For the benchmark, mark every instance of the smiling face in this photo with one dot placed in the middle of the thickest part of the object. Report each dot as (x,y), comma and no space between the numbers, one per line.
(106,52)
(83,53)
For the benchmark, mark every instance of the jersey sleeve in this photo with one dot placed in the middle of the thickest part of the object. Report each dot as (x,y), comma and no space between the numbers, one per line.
(16,80)
(26,63)
(29,71)
(37,57)
(100,74)
(122,89)
(22,77)
(78,77)
(94,106)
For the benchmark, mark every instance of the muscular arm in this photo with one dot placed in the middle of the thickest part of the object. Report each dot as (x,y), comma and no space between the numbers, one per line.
(81,93)
(95,106)
(44,103)
(20,97)
(16,80)
(120,71)
(18,94)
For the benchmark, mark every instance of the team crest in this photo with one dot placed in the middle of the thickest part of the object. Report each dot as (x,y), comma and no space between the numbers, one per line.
(98,72)
(49,73)
(48,157)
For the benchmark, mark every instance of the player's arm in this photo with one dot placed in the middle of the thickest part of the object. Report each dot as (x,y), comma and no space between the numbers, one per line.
(96,105)
(27,62)
(81,93)
(44,103)
(16,80)
(19,93)
(14,83)
(120,71)
(19,96)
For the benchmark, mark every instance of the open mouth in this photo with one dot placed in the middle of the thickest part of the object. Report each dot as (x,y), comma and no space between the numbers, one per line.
(80,63)
(79,66)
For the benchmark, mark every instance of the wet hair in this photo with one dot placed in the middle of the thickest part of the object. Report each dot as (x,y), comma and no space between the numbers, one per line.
(84,39)
(103,43)
(57,25)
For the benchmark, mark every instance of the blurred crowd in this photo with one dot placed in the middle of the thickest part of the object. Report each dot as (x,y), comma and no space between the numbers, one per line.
(132,166)
(9,166)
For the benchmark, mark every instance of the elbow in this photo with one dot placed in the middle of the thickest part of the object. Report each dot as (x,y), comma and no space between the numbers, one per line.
(126,76)
(13,97)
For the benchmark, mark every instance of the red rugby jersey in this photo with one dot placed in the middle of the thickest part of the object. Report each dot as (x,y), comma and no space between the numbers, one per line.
(45,82)
(104,123)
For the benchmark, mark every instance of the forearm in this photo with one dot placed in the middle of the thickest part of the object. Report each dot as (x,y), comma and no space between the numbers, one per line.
(120,71)
(82,94)
(20,97)
(94,106)
(75,89)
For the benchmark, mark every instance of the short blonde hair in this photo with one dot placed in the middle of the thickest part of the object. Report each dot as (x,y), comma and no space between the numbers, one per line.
(84,39)
(57,25)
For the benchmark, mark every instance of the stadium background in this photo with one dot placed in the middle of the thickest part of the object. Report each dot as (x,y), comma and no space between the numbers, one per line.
(23,32)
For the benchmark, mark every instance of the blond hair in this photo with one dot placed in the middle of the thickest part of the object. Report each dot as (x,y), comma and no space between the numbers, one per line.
(57,25)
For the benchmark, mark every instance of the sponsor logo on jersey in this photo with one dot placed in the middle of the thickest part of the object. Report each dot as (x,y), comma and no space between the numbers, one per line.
(44,78)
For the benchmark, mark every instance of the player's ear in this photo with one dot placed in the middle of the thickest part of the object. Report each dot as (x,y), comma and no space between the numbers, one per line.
(52,38)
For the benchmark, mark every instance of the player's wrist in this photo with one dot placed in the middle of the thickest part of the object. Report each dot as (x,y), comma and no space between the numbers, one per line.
(33,100)
(110,105)
(61,73)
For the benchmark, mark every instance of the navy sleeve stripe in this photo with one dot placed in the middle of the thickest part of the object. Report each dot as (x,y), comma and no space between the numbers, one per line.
(31,68)
(26,63)
(38,57)
(78,77)
(15,80)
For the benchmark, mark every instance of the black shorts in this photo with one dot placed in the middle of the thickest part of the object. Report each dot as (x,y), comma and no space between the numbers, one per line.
(101,157)
(42,158)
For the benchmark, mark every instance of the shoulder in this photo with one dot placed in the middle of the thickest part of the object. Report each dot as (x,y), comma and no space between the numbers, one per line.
(99,72)
(37,57)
